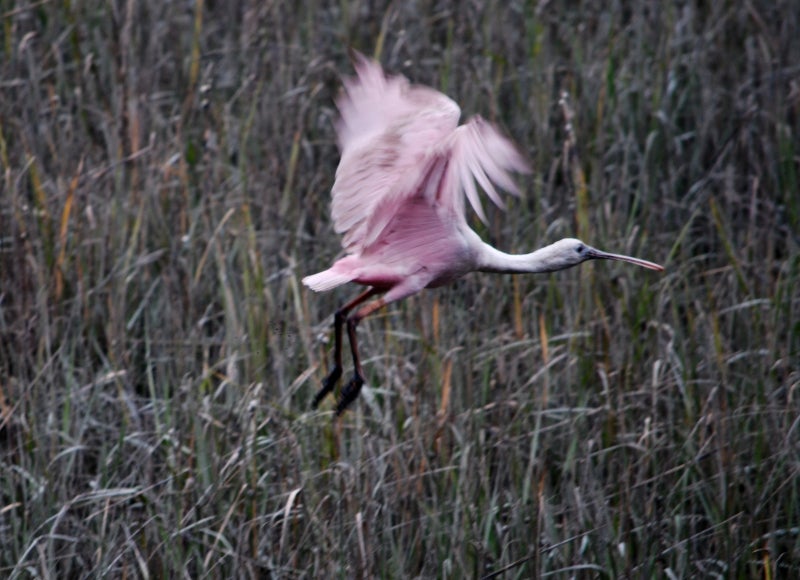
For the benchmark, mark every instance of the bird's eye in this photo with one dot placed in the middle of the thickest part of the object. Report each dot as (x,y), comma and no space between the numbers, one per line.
(580,248)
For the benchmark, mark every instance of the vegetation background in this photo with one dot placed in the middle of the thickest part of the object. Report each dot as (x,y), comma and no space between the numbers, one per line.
(165,184)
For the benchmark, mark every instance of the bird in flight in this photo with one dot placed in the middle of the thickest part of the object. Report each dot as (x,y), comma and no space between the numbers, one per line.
(398,199)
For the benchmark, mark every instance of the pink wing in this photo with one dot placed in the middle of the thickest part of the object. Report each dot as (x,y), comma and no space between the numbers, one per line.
(392,136)
(386,131)
(479,152)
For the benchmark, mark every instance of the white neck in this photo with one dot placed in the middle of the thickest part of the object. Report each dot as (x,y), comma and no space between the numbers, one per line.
(546,259)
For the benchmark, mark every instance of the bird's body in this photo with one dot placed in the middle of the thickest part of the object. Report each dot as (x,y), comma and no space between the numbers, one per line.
(418,247)
(398,199)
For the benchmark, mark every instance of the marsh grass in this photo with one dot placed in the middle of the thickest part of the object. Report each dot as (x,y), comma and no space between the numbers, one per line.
(166,169)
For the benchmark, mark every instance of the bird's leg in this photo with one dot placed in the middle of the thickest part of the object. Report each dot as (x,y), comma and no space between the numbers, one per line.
(339,319)
(329,382)
(353,388)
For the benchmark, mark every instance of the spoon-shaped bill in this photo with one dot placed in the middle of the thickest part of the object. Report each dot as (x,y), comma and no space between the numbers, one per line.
(597,254)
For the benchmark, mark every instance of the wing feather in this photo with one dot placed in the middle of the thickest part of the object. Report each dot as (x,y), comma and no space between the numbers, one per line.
(479,152)
(399,141)
(387,132)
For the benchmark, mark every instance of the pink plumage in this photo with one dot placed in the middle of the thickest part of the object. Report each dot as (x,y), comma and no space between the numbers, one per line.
(398,200)
(398,197)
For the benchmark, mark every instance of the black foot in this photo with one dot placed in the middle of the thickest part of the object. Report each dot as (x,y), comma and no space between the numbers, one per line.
(349,394)
(327,386)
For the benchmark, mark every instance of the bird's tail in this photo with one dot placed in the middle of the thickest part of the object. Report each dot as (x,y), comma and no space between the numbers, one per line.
(327,280)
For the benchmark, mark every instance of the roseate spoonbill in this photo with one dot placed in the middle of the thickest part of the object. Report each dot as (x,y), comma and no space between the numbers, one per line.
(398,198)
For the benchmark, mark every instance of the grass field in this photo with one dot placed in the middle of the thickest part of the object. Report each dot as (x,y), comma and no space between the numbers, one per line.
(165,182)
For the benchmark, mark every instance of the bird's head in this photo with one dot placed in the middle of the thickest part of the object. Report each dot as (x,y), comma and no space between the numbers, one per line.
(571,252)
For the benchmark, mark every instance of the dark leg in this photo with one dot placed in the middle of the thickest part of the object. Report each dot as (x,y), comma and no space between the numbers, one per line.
(339,319)
(329,382)
(353,388)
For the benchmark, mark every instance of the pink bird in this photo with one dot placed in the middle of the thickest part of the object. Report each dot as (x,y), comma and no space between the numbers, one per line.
(398,198)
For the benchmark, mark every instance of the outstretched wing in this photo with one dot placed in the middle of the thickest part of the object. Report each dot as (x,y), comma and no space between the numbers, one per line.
(397,139)
(387,130)
(478,152)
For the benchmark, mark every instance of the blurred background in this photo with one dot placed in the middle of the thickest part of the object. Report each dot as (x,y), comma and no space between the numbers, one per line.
(166,169)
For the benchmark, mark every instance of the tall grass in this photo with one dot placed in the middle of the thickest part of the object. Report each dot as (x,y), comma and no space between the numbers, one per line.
(165,185)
